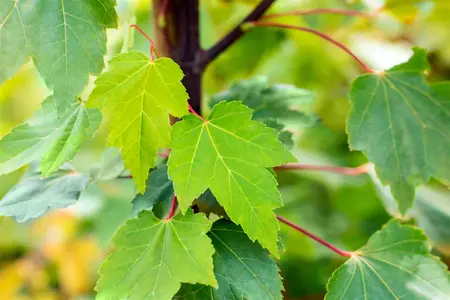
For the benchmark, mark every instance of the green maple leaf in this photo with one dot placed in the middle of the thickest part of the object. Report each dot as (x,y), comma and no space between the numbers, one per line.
(141,94)
(269,102)
(154,257)
(244,270)
(14,50)
(44,135)
(396,263)
(229,154)
(33,195)
(66,39)
(272,104)
(158,194)
(402,124)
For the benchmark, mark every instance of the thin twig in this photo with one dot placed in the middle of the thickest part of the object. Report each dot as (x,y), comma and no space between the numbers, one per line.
(152,43)
(318,11)
(195,113)
(172,208)
(363,169)
(314,237)
(210,54)
(315,32)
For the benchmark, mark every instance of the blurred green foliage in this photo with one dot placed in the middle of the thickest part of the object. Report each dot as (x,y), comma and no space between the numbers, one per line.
(57,256)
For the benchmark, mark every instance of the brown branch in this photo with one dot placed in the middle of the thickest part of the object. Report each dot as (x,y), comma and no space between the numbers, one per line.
(363,169)
(222,45)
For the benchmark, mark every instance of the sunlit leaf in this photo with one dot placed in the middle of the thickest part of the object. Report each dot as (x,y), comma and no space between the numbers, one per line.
(395,263)
(229,154)
(141,94)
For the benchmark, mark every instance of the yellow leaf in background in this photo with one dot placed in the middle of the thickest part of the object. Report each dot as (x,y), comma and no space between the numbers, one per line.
(11,280)
(404,10)
(78,266)
(53,231)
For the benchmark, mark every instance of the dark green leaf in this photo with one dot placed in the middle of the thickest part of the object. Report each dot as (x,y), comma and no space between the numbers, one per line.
(395,263)
(402,124)
(158,194)
(244,270)
(269,102)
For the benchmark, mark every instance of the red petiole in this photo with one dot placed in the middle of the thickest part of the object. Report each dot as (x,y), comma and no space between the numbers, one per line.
(314,237)
(317,33)
(172,208)
(152,43)
(321,11)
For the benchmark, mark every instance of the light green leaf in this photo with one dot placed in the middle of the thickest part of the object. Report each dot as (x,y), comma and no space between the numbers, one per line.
(67,43)
(14,51)
(244,270)
(140,94)
(229,154)
(396,263)
(33,195)
(154,257)
(158,194)
(45,135)
(402,123)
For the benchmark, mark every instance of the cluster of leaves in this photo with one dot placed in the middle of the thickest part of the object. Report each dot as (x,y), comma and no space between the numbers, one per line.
(397,119)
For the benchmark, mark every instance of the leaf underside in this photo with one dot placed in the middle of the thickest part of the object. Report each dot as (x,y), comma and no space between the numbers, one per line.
(33,195)
(229,154)
(44,135)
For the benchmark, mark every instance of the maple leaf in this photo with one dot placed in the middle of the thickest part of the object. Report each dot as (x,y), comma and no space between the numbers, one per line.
(402,123)
(141,94)
(244,270)
(66,39)
(44,135)
(158,194)
(33,195)
(154,257)
(229,154)
(396,263)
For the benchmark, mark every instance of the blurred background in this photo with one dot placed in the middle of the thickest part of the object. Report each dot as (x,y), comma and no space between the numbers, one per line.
(57,256)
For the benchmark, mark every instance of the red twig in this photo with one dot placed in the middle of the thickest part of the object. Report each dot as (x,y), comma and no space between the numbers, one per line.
(172,208)
(319,34)
(314,237)
(195,113)
(363,169)
(318,11)
(152,43)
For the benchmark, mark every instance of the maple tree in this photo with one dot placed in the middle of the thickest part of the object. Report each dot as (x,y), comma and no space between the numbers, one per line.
(203,222)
